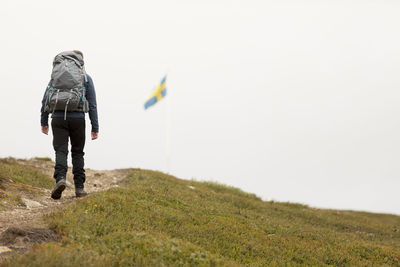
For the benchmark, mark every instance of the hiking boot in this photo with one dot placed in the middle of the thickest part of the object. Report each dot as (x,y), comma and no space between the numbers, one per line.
(58,189)
(80,192)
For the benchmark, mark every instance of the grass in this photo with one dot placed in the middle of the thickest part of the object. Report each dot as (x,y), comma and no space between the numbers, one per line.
(16,178)
(10,169)
(8,199)
(158,220)
(43,159)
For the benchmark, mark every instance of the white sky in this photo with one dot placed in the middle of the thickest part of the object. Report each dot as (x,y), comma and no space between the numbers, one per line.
(292,100)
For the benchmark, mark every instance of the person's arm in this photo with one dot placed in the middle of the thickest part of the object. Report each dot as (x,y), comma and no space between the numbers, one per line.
(44,116)
(91,98)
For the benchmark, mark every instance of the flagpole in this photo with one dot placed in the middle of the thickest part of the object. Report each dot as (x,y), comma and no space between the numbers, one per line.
(168,128)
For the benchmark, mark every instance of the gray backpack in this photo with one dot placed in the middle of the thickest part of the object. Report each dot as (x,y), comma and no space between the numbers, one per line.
(66,90)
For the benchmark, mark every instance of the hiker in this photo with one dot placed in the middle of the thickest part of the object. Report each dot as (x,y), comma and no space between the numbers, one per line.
(69,94)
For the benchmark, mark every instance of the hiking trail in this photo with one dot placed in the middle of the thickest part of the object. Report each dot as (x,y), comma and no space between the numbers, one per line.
(23,227)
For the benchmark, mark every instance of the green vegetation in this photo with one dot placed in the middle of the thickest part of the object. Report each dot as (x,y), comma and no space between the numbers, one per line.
(43,158)
(158,220)
(8,199)
(10,169)
(16,178)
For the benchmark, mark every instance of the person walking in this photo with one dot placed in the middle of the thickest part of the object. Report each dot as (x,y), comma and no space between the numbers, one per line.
(69,95)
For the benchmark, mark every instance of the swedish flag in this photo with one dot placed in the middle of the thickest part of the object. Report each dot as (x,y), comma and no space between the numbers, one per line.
(157,95)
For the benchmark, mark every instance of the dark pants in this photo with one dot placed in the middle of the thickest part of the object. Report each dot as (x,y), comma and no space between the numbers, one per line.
(74,129)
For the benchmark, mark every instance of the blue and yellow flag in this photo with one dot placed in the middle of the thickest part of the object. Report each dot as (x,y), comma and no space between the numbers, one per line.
(157,95)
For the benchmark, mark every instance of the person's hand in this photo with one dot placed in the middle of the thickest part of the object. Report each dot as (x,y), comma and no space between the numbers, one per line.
(95,135)
(45,129)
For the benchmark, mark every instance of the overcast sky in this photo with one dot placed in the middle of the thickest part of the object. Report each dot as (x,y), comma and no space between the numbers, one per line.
(292,100)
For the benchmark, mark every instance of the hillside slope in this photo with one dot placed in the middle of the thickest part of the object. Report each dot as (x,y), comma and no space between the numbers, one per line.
(25,187)
(155,219)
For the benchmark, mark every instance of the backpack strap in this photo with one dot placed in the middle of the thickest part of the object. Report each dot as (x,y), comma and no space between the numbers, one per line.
(58,90)
(50,92)
(66,106)
(83,90)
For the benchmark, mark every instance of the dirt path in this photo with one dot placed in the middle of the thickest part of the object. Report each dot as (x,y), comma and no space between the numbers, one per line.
(22,227)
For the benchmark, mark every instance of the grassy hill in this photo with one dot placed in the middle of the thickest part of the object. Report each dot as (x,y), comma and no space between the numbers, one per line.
(154,219)
(17,179)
